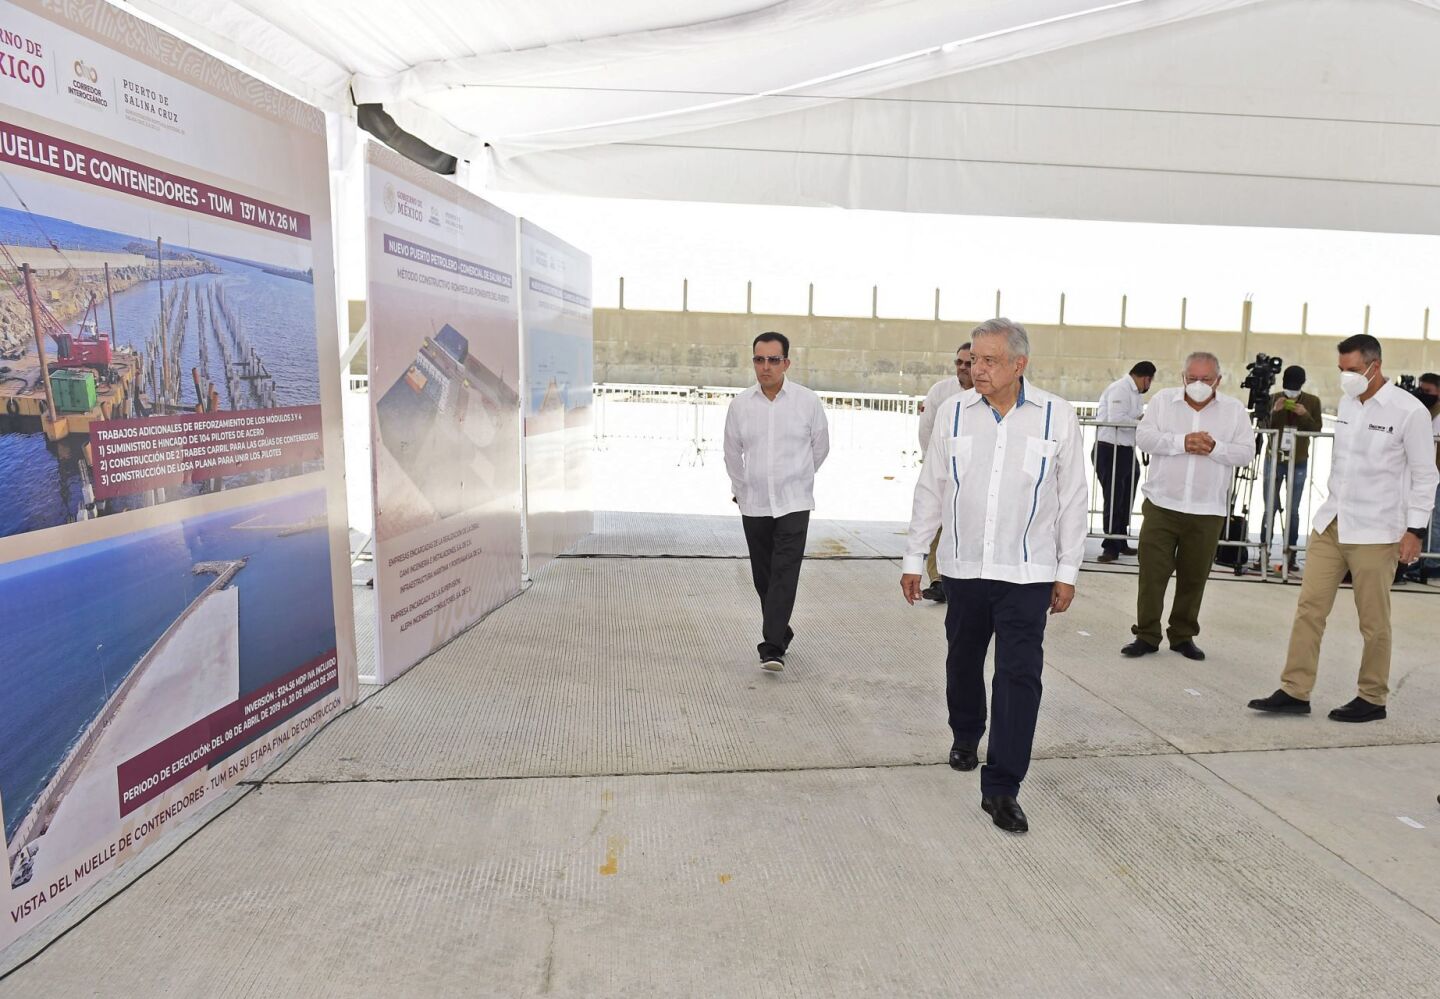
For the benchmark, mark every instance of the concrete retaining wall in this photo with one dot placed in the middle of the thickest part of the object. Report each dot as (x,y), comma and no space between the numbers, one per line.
(847,354)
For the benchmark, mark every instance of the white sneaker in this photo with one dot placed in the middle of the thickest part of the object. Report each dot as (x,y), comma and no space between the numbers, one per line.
(773,665)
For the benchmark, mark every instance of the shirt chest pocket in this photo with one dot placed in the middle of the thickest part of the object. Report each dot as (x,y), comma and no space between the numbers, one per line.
(1040,456)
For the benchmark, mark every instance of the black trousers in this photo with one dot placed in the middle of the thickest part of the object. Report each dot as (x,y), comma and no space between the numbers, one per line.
(1014,614)
(777,547)
(1117,470)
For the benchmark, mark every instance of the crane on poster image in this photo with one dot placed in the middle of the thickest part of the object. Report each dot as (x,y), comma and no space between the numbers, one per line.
(88,347)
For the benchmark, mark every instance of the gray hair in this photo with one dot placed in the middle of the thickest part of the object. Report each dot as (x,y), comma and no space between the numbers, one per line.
(1205,355)
(1017,340)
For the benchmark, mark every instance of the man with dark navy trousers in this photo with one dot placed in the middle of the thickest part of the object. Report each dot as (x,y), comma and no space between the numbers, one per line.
(1005,460)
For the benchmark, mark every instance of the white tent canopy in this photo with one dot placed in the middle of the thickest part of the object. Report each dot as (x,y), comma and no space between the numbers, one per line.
(1294,113)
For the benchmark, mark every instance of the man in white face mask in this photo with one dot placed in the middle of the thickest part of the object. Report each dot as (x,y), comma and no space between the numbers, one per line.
(1382,488)
(1196,438)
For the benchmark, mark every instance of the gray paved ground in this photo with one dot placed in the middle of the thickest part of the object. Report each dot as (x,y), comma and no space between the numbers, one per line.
(596,793)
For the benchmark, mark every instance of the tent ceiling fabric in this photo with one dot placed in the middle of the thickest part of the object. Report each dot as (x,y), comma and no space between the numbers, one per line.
(1303,113)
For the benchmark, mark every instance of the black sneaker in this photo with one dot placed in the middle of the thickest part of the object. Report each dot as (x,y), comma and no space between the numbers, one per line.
(1281,703)
(1358,710)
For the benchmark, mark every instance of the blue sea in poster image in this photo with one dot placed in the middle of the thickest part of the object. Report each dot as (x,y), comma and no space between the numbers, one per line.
(40,482)
(76,622)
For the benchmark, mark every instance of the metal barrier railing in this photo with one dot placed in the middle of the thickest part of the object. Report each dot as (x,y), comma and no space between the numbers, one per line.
(693,419)
(1255,495)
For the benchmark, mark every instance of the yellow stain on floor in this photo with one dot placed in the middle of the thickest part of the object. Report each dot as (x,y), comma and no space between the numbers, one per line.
(613,847)
(725,879)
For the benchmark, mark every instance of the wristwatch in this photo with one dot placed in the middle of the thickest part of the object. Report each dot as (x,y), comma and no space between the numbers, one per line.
(1419,532)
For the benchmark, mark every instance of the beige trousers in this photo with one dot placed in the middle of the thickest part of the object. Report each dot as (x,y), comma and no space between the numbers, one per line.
(1372,571)
(930,566)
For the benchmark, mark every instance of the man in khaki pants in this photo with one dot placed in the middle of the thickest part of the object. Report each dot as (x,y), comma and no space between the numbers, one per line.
(1382,488)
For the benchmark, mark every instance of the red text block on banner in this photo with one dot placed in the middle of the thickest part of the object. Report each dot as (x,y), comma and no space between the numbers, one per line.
(217,735)
(131,456)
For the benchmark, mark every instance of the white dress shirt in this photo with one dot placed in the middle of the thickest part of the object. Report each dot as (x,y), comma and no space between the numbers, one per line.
(773,449)
(1193,483)
(939,392)
(1011,494)
(1382,474)
(1121,402)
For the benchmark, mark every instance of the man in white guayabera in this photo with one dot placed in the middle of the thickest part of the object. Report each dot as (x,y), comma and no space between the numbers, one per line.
(1382,488)
(1005,474)
(1195,438)
(939,392)
(776,439)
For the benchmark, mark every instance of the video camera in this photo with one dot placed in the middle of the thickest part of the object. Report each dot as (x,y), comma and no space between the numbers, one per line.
(1411,384)
(1260,380)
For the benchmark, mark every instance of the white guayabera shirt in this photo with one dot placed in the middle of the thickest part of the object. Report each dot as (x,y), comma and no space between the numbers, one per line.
(939,392)
(1121,402)
(774,448)
(1193,483)
(1011,493)
(1382,478)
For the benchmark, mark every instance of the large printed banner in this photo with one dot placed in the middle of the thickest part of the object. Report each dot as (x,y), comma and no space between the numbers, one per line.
(172,531)
(444,388)
(559,381)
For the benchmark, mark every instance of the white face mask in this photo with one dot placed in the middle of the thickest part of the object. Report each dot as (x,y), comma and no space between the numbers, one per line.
(1199,392)
(1354,384)
(1291,393)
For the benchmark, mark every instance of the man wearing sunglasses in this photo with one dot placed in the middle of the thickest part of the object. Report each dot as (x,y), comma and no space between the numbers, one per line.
(776,439)
(939,392)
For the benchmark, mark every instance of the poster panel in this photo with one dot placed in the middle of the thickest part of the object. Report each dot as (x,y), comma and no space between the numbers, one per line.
(444,355)
(172,537)
(559,334)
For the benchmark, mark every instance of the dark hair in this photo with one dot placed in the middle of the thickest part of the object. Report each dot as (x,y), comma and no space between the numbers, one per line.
(770,336)
(963,346)
(1294,377)
(1366,344)
(1430,378)
(1144,369)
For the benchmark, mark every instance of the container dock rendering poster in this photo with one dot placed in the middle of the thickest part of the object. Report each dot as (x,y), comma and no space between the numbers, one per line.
(444,374)
(559,334)
(172,533)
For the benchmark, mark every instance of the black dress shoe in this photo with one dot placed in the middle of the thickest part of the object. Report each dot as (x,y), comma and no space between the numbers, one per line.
(935,591)
(1105,558)
(1188,649)
(1139,648)
(1359,710)
(1006,813)
(1127,550)
(964,758)
(1281,703)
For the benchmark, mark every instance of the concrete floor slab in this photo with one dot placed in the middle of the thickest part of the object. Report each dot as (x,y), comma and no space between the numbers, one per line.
(1143,877)
(621,533)
(1245,629)
(734,833)
(1378,810)
(659,674)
